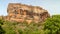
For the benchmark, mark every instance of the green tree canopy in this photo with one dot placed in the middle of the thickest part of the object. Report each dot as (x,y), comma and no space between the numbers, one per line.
(52,25)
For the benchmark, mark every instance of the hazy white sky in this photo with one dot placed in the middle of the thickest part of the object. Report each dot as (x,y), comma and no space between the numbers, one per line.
(53,6)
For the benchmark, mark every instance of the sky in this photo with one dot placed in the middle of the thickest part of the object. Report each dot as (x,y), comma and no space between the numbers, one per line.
(52,6)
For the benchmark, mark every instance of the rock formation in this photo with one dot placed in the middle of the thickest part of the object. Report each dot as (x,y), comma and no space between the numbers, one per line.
(21,12)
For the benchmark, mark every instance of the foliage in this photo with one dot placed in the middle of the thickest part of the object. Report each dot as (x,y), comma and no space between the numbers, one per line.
(21,28)
(1,29)
(52,25)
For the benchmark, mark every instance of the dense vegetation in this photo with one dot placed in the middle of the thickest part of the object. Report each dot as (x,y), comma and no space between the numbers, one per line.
(1,30)
(50,26)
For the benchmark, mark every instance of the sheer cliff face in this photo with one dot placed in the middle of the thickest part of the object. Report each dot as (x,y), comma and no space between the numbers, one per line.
(20,12)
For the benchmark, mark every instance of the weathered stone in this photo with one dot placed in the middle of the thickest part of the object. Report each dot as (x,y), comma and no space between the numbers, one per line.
(20,12)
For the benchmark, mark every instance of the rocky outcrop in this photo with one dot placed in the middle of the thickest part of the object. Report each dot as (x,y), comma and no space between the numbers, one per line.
(21,12)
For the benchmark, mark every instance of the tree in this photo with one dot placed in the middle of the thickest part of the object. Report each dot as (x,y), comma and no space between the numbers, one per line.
(52,25)
(1,29)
